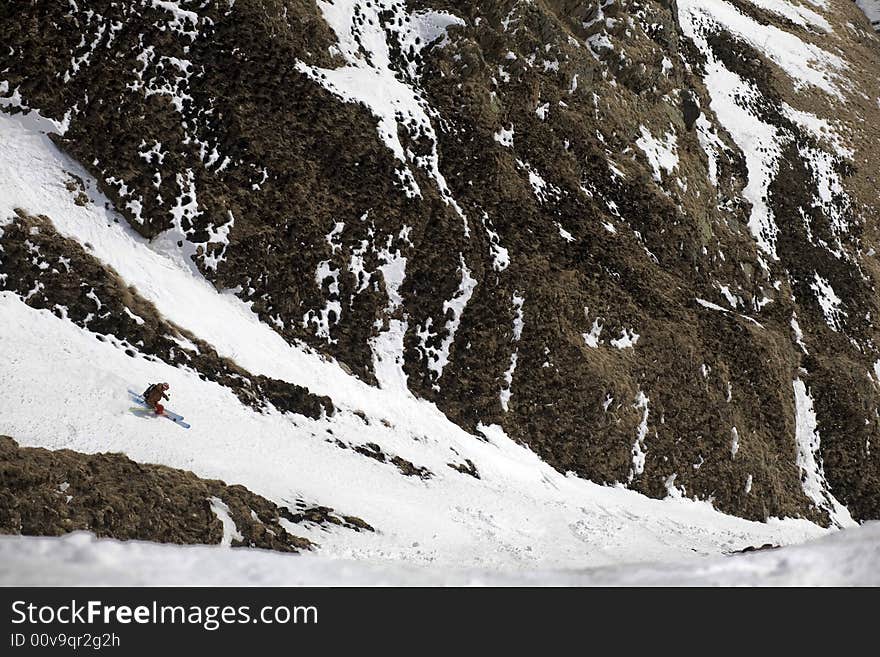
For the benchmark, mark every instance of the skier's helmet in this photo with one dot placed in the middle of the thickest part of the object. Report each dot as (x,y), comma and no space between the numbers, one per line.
(165,386)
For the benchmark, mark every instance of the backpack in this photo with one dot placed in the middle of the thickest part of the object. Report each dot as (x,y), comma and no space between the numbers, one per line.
(148,391)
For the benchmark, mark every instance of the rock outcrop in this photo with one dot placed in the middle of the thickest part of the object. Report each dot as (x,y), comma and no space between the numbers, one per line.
(50,493)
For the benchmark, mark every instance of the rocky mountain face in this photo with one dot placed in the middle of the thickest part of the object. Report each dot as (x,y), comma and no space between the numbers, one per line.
(639,235)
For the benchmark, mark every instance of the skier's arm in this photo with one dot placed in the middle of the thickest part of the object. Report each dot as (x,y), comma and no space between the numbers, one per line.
(165,395)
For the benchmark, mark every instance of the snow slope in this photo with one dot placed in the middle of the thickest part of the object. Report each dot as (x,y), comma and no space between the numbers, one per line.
(65,389)
(849,558)
(872,10)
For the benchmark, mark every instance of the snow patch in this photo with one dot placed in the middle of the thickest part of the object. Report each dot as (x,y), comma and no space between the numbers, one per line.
(518,324)
(829,302)
(662,153)
(592,338)
(387,346)
(500,255)
(809,458)
(438,357)
(627,340)
(230,531)
(796,13)
(639,451)
(504,136)
(872,11)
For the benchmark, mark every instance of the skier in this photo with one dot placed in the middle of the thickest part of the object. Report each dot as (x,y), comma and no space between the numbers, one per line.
(154,395)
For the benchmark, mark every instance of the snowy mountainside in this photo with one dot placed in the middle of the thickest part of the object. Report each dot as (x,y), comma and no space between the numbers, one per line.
(517,510)
(413,259)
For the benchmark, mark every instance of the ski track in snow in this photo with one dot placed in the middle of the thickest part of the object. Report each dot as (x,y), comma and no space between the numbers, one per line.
(521,513)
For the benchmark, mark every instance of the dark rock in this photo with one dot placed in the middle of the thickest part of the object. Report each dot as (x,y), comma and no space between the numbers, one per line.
(50,493)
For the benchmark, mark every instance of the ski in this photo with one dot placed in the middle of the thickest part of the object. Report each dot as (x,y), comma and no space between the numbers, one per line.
(177,420)
(171,415)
